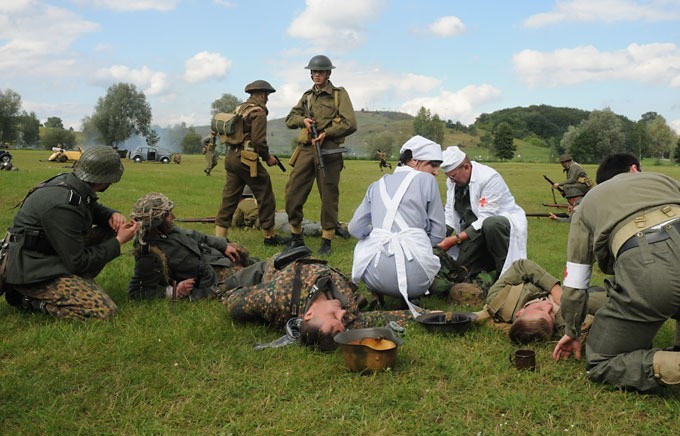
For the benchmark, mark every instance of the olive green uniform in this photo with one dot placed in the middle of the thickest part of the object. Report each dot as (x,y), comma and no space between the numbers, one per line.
(647,275)
(209,147)
(246,214)
(54,254)
(337,121)
(267,295)
(577,183)
(238,173)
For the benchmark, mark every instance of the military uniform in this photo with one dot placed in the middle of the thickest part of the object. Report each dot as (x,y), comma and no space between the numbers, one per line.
(577,183)
(629,224)
(209,146)
(239,175)
(179,255)
(246,214)
(51,257)
(269,297)
(334,114)
(383,161)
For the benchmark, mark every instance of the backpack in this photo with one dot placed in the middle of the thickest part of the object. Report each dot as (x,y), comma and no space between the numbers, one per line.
(229,125)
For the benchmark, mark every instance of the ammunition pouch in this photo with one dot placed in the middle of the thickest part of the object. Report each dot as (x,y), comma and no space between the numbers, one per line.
(294,156)
(250,159)
(304,137)
(36,240)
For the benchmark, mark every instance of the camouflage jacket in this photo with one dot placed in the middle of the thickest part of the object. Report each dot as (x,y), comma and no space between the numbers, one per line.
(270,302)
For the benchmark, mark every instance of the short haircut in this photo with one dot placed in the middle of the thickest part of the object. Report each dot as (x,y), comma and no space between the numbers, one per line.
(524,331)
(616,164)
(311,336)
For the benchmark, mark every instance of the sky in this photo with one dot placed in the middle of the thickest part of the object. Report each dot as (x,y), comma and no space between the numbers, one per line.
(458,58)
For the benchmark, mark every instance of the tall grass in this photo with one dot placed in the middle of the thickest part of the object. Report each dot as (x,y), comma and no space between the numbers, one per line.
(188,369)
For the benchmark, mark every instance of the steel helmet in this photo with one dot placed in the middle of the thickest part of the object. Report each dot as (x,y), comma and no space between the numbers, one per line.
(259,85)
(99,164)
(320,63)
(151,209)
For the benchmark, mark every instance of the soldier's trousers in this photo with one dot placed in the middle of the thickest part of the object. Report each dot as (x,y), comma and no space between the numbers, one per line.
(72,297)
(489,248)
(210,160)
(619,347)
(300,185)
(238,176)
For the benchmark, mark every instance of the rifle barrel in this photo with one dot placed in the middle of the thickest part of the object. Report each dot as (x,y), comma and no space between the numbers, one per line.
(196,220)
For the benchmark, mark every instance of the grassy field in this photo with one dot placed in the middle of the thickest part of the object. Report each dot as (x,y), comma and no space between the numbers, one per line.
(188,369)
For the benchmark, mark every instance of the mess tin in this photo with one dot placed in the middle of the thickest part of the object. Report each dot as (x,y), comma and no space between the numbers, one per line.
(455,323)
(370,349)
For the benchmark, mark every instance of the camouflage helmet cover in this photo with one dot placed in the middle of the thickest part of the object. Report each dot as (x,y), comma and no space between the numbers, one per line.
(99,164)
(320,63)
(259,85)
(151,209)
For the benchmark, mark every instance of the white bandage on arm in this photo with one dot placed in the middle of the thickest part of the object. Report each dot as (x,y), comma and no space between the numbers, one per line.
(577,275)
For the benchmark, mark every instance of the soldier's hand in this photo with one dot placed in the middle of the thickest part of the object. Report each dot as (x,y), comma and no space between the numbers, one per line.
(552,216)
(319,138)
(308,123)
(232,253)
(271,161)
(116,221)
(127,231)
(565,347)
(185,287)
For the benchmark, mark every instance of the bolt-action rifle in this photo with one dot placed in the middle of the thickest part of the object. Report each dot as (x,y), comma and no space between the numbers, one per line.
(196,220)
(561,191)
(547,215)
(315,134)
(563,206)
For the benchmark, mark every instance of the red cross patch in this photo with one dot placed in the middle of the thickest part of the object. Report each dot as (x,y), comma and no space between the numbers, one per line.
(566,272)
(483,202)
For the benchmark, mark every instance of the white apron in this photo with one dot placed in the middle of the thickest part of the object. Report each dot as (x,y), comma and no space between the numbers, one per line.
(407,245)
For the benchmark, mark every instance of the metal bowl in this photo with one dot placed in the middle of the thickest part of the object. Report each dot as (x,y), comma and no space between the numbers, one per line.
(456,323)
(371,349)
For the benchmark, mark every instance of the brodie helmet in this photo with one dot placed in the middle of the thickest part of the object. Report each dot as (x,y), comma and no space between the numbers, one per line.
(259,85)
(320,63)
(151,209)
(99,164)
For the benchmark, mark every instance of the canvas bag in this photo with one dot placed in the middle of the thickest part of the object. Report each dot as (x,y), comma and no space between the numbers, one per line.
(229,125)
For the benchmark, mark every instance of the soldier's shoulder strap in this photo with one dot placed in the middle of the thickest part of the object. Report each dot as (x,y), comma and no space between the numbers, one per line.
(74,197)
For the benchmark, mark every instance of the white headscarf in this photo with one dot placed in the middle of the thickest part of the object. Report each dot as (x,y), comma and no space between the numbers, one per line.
(423,149)
(453,157)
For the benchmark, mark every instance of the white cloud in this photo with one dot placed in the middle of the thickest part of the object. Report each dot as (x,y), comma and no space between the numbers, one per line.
(225,3)
(447,26)
(150,82)
(203,66)
(460,105)
(606,11)
(675,125)
(130,5)
(335,24)
(655,63)
(37,51)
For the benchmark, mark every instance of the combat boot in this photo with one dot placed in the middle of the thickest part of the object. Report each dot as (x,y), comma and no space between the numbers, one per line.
(296,240)
(325,248)
(276,240)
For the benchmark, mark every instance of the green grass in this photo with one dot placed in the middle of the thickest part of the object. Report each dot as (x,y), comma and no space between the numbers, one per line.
(188,369)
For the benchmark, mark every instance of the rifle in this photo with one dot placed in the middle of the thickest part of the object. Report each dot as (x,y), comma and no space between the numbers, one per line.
(547,215)
(315,134)
(196,220)
(563,206)
(279,163)
(552,184)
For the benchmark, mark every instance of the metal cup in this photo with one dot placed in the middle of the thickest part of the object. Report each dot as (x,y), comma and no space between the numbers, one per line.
(524,359)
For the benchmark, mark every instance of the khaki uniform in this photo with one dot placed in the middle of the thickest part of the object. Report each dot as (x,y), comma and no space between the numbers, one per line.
(246,214)
(337,121)
(209,147)
(263,294)
(647,274)
(239,175)
(577,183)
(54,251)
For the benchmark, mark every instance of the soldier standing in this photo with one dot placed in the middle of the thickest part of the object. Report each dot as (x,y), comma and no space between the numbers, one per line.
(209,146)
(243,166)
(324,110)
(54,250)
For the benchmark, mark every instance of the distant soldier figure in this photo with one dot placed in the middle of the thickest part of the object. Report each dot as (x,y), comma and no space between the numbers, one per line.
(383,160)
(210,153)
(578,183)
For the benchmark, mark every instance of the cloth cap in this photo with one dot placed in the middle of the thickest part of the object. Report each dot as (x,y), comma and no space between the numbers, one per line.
(423,149)
(565,157)
(453,157)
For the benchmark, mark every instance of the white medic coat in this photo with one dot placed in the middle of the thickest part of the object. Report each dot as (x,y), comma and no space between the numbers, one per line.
(490,196)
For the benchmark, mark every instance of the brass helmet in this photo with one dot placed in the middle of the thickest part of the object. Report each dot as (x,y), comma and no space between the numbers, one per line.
(150,210)
(259,85)
(320,63)
(99,164)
